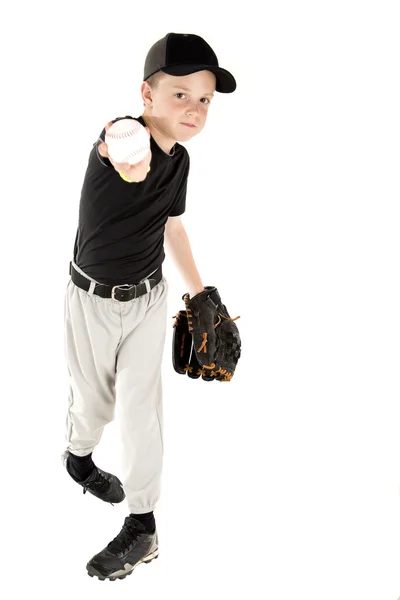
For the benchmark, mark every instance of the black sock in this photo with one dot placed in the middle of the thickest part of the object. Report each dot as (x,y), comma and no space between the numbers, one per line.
(80,467)
(147,520)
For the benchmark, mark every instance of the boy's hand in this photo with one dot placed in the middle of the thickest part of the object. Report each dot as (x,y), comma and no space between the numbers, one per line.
(137,172)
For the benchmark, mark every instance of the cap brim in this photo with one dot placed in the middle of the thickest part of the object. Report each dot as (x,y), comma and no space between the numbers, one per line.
(226,83)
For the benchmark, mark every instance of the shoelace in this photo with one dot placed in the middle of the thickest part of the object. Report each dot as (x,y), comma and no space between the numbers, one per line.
(96,484)
(129,532)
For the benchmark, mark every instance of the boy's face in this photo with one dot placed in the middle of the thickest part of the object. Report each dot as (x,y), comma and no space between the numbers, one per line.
(177,102)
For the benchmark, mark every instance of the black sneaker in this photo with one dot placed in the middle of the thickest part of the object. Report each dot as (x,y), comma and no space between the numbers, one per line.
(103,485)
(132,546)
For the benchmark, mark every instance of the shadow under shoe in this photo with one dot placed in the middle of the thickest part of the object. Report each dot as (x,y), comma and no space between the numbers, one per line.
(101,484)
(132,546)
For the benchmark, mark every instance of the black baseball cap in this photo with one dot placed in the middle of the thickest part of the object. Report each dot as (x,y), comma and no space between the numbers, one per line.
(184,53)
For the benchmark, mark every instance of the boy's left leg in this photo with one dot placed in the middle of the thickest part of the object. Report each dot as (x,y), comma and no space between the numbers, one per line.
(139,412)
(139,403)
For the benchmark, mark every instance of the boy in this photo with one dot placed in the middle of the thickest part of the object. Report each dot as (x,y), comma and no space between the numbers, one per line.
(116,298)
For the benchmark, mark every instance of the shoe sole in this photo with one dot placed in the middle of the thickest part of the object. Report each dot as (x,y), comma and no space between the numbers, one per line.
(121,574)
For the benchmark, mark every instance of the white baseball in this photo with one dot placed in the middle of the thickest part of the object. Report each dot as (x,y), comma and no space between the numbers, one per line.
(127,141)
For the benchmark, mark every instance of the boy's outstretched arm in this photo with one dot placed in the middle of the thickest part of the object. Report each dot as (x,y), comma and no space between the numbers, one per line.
(178,247)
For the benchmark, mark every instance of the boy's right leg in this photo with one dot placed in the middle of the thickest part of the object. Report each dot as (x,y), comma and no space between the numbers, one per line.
(92,334)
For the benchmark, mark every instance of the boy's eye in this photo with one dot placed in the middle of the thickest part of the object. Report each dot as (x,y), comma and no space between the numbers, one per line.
(203,100)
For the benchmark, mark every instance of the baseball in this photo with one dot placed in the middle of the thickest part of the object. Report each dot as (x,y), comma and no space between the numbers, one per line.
(127,141)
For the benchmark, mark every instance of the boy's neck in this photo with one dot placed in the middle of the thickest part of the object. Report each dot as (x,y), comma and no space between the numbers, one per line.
(165,143)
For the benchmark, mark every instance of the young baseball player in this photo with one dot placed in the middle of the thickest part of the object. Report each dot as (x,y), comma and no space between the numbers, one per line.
(116,297)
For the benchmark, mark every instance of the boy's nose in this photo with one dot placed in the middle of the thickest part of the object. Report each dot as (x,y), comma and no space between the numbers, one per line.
(191,110)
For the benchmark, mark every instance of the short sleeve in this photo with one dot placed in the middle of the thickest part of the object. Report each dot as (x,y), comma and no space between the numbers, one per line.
(180,204)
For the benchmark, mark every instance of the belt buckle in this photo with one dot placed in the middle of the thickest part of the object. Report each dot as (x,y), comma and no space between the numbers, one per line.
(124,286)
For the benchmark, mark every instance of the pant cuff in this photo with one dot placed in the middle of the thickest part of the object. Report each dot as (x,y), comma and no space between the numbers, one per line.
(141,511)
(80,453)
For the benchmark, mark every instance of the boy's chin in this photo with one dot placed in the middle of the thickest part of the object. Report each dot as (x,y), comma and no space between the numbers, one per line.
(182,136)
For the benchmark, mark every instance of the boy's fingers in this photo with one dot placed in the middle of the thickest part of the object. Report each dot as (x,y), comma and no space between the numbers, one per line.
(138,164)
(107,127)
(102,148)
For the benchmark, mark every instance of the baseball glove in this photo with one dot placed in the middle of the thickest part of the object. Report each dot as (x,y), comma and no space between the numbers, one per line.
(206,341)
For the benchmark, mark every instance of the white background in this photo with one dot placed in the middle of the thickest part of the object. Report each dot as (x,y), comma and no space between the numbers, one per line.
(284,483)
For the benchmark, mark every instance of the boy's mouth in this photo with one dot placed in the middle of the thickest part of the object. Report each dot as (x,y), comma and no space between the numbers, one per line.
(189,125)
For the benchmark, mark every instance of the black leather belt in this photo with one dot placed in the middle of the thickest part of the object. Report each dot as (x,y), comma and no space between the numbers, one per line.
(122,293)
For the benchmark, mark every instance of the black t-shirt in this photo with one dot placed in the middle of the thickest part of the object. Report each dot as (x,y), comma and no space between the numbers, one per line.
(120,237)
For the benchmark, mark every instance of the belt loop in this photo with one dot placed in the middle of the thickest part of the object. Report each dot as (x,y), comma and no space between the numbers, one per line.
(147,284)
(91,288)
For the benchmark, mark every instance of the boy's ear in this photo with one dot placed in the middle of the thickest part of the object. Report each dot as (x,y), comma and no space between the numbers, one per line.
(146,93)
